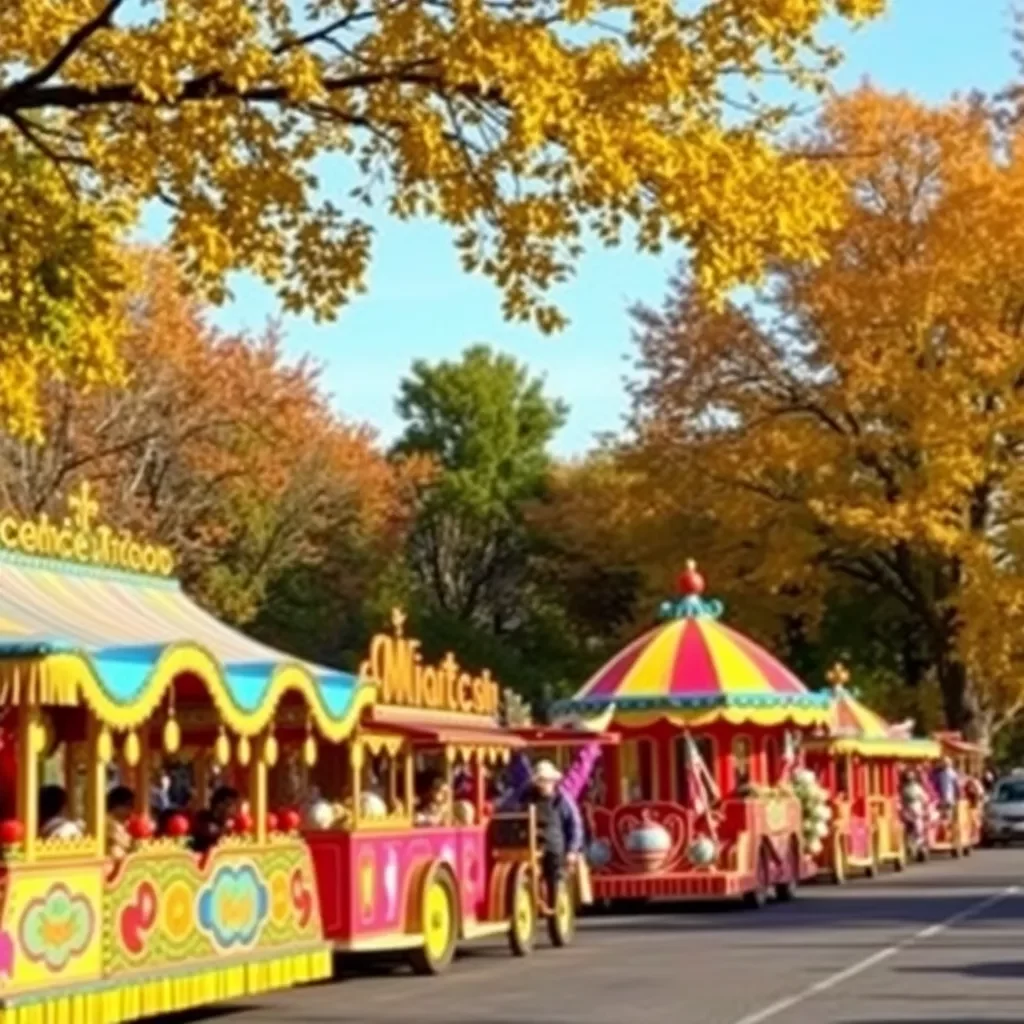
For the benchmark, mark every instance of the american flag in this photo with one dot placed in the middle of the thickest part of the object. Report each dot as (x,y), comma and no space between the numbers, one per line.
(699,782)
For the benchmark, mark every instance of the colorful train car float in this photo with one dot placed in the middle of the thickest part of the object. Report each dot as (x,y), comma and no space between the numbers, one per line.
(409,854)
(103,674)
(860,762)
(968,761)
(694,802)
(109,680)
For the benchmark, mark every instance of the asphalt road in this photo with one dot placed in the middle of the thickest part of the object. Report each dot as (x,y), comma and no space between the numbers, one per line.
(943,942)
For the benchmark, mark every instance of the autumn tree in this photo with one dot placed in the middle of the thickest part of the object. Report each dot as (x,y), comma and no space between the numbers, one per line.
(861,424)
(266,127)
(216,445)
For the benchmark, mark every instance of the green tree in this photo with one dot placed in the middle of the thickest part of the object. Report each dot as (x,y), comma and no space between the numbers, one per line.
(487,425)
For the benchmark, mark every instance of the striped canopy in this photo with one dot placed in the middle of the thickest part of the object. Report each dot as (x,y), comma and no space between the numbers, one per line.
(855,729)
(117,641)
(853,720)
(694,662)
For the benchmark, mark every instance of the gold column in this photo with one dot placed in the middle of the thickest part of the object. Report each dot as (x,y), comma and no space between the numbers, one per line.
(143,771)
(258,788)
(98,753)
(29,729)
(357,757)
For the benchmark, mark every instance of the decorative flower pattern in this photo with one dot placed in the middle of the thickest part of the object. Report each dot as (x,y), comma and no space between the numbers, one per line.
(57,928)
(233,906)
(137,918)
(7,953)
(177,918)
(302,897)
(280,898)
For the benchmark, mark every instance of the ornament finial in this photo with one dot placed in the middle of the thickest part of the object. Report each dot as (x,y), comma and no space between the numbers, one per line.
(690,582)
(837,675)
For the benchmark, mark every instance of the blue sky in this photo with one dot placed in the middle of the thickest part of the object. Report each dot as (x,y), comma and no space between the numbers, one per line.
(419,304)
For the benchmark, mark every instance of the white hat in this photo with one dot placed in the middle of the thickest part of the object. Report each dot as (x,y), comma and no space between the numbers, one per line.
(545,771)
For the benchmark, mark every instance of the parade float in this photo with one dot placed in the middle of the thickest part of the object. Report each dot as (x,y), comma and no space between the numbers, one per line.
(394,876)
(968,760)
(860,763)
(695,800)
(107,670)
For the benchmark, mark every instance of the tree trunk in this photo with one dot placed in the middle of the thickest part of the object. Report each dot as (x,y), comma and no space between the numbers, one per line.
(960,702)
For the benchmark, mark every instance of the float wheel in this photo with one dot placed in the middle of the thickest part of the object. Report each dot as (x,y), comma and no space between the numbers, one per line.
(522,908)
(562,921)
(440,926)
(758,896)
(785,891)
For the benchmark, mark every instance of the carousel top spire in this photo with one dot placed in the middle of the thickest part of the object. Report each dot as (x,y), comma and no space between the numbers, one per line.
(689,602)
(690,663)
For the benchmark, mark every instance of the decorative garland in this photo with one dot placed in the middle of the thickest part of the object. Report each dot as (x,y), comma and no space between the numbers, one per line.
(814,805)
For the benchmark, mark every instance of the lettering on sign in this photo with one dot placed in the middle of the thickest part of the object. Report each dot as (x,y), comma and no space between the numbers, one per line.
(79,538)
(396,666)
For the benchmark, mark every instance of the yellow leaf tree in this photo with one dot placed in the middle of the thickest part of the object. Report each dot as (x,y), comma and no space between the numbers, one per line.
(264,125)
(863,424)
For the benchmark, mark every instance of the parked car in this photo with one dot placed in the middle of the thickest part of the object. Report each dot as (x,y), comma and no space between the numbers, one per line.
(1003,822)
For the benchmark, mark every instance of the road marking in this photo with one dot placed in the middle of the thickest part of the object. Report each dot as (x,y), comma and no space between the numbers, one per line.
(876,958)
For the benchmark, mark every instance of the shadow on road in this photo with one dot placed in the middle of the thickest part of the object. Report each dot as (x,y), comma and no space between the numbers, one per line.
(990,971)
(845,908)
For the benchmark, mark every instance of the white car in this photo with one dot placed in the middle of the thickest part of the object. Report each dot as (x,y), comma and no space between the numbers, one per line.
(1004,812)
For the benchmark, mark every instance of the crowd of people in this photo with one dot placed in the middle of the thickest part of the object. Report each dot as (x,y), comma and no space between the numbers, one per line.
(206,825)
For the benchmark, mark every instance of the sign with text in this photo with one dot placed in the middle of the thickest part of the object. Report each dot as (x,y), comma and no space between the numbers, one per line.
(396,666)
(78,538)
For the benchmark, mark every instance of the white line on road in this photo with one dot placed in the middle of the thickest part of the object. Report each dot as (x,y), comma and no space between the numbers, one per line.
(876,958)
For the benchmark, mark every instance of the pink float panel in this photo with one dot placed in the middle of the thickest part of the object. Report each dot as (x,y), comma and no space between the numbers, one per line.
(365,879)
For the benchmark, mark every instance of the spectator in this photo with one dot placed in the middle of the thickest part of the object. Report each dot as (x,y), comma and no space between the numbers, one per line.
(210,825)
(120,804)
(53,822)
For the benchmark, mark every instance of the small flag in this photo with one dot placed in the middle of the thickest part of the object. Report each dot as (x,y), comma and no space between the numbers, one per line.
(700,784)
(789,757)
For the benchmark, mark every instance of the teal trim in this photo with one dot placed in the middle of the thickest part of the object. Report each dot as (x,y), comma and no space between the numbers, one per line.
(709,701)
(84,569)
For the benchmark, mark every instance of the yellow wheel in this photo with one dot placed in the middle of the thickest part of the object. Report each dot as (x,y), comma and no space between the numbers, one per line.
(562,922)
(439,922)
(522,925)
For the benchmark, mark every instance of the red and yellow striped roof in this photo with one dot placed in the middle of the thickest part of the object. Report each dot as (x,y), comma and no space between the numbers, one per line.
(852,719)
(694,662)
(855,729)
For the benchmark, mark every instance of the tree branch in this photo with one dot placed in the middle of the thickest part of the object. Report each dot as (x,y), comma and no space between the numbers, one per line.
(74,43)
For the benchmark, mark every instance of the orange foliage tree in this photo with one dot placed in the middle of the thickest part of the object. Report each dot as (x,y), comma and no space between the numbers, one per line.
(217,446)
(862,425)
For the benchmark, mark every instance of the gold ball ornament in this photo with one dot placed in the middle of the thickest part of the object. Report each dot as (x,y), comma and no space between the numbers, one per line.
(104,747)
(244,751)
(132,749)
(37,737)
(48,738)
(172,736)
(222,751)
(270,751)
(309,751)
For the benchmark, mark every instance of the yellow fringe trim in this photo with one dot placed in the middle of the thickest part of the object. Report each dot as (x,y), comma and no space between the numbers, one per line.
(173,995)
(70,680)
(905,750)
(695,718)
